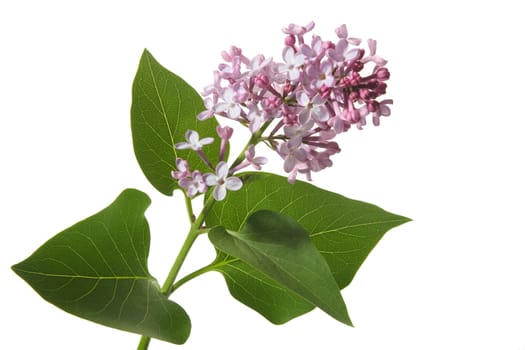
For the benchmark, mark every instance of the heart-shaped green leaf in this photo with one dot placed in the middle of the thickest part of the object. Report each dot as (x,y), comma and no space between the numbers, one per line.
(278,246)
(97,269)
(163,108)
(342,229)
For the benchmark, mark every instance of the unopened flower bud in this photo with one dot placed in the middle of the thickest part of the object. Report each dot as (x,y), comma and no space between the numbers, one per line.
(289,40)
(372,106)
(325,91)
(328,45)
(261,80)
(380,89)
(287,88)
(382,74)
(372,84)
(364,94)
(357,65)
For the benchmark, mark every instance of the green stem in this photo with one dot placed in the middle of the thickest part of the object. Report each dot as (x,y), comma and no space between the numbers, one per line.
(189,208)
(211,267)
(190,276)
(253,141)
(193,233)
(196,228)
(144,342)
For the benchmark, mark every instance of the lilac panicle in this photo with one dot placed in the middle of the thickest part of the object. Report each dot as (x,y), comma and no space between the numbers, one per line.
(319,89)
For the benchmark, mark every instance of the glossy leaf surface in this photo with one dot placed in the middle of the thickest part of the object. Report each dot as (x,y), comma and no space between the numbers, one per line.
(97,269)
(342,229)
(278,246)
(163,108)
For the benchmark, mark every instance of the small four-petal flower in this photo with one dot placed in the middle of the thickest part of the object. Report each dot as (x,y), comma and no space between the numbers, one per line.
(221,181)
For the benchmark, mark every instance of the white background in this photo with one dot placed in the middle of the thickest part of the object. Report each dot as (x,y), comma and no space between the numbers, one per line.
(450,157)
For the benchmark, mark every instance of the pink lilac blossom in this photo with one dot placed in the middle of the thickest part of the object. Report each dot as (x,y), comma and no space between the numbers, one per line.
(256,162)
(222,182)
(319,90)
(250,159)
(194,184)
(183,169)
(193,142)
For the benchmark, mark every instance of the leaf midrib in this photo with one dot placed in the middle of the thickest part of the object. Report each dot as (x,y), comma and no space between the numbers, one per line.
(85,277)
(339,229)
(326,306)
(161,102)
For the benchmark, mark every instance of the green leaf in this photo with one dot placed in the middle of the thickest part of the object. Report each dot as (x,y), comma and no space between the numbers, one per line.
(342,229)
(260,292)
(163,108)
(278,246)
(97,269)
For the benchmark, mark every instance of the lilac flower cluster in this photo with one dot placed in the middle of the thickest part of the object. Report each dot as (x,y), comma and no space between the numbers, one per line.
(195,182)
(317,92)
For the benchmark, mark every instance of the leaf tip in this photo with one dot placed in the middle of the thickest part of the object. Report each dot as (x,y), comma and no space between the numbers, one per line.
(146,52)
(348,322)
(14,268)
(404,219)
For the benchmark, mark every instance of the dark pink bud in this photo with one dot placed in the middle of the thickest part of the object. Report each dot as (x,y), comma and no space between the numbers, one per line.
(357,66)
(373,106)
(354,95)
(262,80)
(325,91)
(271,102)
(290,119)
(382,74)
(380,89)
(345,82)
(355,79)
(328,45)
(287,88)
(372,84)
(364,94)
(289,40)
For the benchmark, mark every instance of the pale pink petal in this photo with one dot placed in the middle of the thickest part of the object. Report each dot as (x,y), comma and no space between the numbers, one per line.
(294,74)
(289,163)
(191,136)
(221,107)
(219,192)
(233,183)
(210,179)
(288,54)
(372,44)
(182,145)
(206,141)
(222,170)
(341,32)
